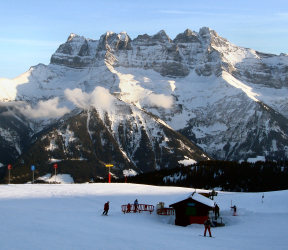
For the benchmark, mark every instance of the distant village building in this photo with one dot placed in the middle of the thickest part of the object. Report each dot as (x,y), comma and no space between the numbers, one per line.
(254,160)
(258,158)
(192,209)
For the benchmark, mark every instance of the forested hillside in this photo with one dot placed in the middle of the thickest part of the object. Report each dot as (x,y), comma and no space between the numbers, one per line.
(226,175)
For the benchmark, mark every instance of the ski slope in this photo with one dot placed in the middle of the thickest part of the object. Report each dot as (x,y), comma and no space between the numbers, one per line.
(68,216)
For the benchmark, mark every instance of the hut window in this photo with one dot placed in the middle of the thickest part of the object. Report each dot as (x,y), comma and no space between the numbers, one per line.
(191,204)
(191,210)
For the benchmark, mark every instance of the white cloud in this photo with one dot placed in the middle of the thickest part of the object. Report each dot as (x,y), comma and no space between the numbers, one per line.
(99,98)
(160,100)
(79,98)
(185,12)
(12,104)
(283,15)
(44,109)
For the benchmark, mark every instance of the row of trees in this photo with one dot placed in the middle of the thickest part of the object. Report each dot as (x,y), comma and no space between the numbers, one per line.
(227,175)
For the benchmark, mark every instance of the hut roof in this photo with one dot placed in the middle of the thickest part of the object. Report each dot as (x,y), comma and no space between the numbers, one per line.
(202,199)
(197,197)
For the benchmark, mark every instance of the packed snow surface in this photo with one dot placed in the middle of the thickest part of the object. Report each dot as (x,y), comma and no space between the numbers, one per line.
(202,199)
(68,216)
(187,161)
(62,178)
(197,197)
(258,158)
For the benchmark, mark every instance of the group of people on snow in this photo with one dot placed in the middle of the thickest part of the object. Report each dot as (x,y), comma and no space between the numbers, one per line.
(207,223)
(106,207)
(135,207)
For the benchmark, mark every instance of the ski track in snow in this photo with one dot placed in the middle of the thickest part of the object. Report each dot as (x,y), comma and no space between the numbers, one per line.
(68,216)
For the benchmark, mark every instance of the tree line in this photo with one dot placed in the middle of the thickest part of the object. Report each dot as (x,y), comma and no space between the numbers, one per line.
(225,175)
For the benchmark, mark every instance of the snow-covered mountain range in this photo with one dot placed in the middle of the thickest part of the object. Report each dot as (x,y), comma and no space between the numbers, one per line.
(231,102)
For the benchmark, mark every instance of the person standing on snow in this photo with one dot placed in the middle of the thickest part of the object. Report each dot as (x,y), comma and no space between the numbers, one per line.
(234,209)
(106,208)
(135,205)
(207,225)
(128,208)
(216,210)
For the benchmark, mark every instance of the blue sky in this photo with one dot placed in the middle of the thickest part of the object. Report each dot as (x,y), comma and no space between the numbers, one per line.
(31,31)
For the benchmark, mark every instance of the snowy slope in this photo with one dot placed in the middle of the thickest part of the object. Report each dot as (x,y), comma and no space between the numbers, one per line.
(61,178)
(68,216)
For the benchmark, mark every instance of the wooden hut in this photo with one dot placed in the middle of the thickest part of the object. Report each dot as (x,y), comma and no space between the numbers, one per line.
(194,209)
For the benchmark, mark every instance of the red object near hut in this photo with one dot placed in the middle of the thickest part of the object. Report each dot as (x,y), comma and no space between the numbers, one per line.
(165,211)
(192,210)
(141,207)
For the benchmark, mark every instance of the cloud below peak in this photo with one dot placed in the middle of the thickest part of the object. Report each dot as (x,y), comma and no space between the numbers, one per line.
(99,98)
(44,109)
(160,100)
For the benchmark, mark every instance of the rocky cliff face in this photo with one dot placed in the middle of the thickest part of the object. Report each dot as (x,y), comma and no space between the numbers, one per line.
(208,55)
(205,52)
(83,144)
(228,100)
(77,52)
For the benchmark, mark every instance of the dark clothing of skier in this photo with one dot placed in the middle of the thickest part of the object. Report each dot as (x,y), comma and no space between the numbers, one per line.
(235,209)
(135,205)
(216,210)
(207,225)
(128,208)
(106,208)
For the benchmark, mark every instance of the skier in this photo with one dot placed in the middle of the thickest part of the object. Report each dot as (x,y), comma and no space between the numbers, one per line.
(235,209)
(207,225)
(216,210)
(135,205)
(128,208)
(106,208)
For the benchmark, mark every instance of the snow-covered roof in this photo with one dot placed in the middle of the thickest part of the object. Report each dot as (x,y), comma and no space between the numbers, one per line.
(197,197)
(202,199)
(258,158)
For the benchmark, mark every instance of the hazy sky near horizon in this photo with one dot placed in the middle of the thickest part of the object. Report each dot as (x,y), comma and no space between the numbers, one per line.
(32,30)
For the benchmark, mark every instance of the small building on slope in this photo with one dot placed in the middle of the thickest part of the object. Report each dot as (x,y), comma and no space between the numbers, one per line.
(192,209)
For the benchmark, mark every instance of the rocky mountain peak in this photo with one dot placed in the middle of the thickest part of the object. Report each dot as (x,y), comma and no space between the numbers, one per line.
(112,41)
(105,40)
(161,37)
(71,52)
(142,39)
(211,36)
(205,31)
(208,34)
(162,33)
(71,36)
(123,41)
(73,45)
(188,32)
(186,37)
(123,36)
